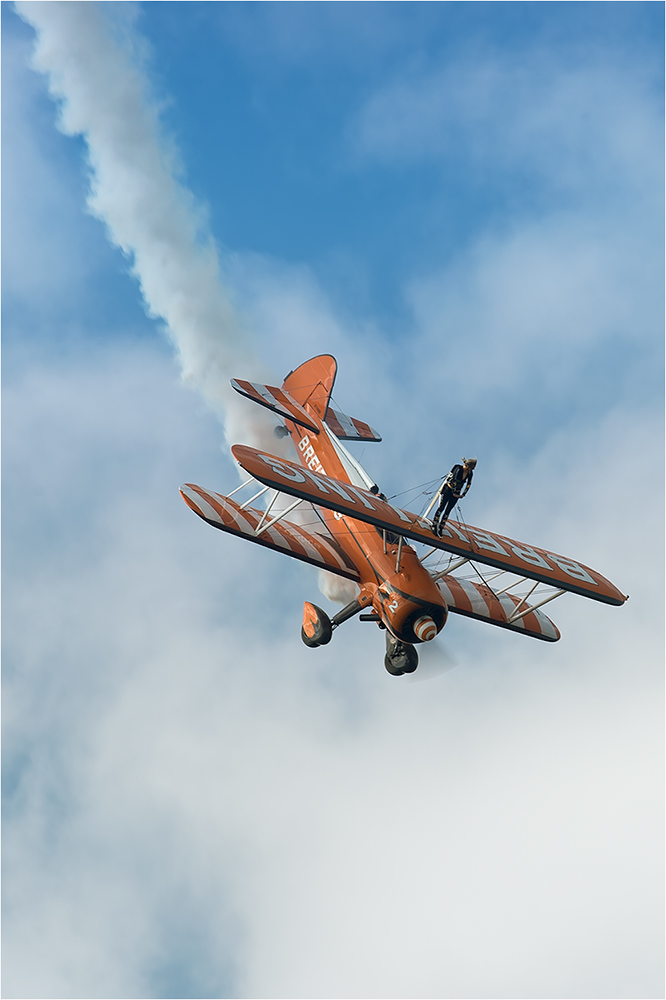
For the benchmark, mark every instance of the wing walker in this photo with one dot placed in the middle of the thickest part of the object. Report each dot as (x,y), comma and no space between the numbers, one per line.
(357,534)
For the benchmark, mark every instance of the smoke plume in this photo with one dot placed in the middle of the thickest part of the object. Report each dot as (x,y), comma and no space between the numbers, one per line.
(94,69)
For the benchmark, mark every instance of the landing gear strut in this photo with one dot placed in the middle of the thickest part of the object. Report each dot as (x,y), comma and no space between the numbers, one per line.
(401,657)
(318,627)
(317,630)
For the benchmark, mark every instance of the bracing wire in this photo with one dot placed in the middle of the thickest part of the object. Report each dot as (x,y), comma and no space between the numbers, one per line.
(412,488)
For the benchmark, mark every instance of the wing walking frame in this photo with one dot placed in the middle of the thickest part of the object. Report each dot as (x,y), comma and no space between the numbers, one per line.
(348,513)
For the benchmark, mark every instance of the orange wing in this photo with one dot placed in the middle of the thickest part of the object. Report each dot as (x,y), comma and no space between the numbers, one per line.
(283,536)
(460,539)
(475,600)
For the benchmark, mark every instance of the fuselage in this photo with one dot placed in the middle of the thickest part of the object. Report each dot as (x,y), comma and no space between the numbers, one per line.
(393,581)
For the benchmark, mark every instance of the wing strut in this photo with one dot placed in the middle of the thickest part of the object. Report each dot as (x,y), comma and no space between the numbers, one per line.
(267,511)
(278,517)
(445,572)
(261,527)
(524,599)
(259,494)
(521,614)
(243,485)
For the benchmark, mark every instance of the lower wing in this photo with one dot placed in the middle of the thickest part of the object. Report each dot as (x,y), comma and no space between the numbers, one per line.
(283,536)
(476,600)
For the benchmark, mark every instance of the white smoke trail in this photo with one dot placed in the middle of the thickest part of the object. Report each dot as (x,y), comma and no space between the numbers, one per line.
(95,71)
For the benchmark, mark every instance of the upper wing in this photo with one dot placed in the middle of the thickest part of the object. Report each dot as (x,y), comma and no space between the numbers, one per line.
(348,428)
(463,540)
(286,537)
(277,400)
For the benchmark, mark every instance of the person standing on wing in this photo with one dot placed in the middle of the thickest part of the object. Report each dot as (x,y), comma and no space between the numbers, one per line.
(455,486)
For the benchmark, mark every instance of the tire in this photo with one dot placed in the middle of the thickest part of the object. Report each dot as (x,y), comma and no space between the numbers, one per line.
(318,624)
(412,659)
(401,657)
(394,671)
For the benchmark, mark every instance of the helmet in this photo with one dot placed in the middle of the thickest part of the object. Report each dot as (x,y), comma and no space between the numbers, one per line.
(471,462)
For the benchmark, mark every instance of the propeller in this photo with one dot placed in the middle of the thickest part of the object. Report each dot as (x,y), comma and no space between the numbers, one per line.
(435,658)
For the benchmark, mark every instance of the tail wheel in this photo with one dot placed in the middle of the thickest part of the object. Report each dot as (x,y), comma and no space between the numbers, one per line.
(401,657)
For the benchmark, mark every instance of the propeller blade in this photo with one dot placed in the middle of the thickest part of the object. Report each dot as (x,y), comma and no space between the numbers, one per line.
(435,659)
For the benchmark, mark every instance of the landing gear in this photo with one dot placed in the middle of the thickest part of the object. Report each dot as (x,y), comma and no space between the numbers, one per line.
(401,657)
(317,626)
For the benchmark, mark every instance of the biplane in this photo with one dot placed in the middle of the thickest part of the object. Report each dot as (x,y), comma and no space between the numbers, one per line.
(354,532)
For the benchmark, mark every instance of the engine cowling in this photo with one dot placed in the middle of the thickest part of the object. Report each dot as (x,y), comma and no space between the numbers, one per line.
(408,618)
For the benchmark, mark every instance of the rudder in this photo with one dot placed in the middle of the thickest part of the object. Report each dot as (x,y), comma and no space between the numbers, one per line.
(312,383)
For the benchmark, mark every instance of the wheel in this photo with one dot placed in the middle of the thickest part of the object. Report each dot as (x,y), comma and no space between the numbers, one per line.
(317,628)
(401,657)
(395,671)
(412,659)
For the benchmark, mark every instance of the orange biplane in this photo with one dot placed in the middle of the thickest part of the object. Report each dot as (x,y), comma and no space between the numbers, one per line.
(362,537)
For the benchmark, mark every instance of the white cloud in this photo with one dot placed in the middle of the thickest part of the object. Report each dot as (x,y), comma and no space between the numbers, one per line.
(576,123)
(333,832)
(196,804)
(525,314)
(96,75)
(44,202)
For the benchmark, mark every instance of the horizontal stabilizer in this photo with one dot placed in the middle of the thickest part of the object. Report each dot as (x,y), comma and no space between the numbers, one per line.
(348,428)
(460,539)
(283,536)
(277,400)
(475,600)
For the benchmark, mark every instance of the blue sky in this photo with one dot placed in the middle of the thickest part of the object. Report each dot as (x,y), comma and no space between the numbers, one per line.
(463,203)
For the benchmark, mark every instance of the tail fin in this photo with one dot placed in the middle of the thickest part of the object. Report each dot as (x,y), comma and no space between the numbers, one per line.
(312,383)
